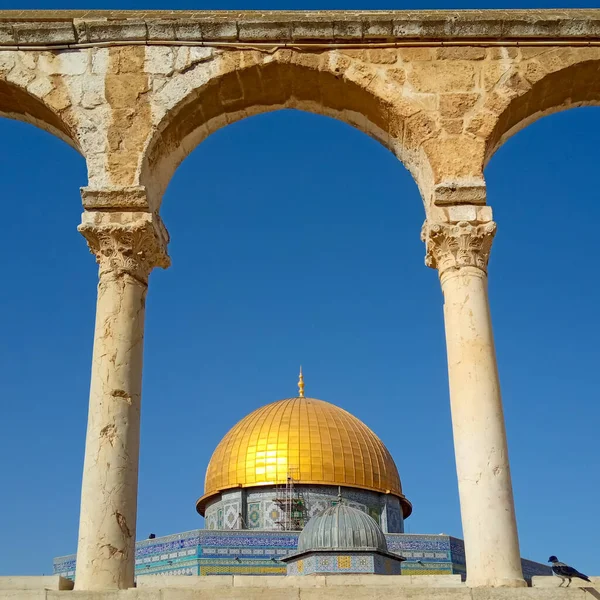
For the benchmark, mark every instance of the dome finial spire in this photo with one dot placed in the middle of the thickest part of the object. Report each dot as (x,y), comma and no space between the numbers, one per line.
(301,384)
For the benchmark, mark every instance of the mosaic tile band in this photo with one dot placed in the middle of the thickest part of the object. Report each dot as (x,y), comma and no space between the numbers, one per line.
(202,552)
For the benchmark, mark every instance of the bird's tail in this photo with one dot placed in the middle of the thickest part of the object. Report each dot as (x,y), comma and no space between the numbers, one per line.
(582,576)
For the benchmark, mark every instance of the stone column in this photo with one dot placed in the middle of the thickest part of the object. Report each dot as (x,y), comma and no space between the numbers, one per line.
(460,252)
(127,247)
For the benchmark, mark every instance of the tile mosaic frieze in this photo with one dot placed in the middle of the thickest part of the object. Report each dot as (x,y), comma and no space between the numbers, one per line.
(221,552)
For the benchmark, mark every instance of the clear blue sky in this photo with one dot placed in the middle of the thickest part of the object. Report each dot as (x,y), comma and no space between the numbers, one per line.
(295,239)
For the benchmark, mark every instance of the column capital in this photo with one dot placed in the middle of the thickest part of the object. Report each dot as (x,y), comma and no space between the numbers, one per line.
(452,246)
(130,243)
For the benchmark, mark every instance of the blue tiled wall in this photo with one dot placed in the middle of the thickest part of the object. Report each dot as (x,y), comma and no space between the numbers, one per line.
(202,552)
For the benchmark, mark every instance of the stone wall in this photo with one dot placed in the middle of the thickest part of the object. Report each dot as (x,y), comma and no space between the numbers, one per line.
(333,587)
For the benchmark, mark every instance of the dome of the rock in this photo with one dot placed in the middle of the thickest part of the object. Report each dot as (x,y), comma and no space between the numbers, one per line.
(320,443)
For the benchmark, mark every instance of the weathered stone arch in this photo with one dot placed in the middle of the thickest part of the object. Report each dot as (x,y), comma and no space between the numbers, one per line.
(19,103)
(514,87)
(546,81)
(235,85)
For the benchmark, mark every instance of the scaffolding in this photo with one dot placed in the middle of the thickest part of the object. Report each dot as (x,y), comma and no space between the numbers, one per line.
(292,504)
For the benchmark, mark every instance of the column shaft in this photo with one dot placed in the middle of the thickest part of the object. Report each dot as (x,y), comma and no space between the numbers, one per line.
(105,556)
(460,252)
(484,482)
(126,253)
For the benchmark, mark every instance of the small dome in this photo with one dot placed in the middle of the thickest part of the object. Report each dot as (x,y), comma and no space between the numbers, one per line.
(342,527)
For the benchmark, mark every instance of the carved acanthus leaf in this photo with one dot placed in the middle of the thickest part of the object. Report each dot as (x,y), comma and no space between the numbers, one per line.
(456,245)
(134,248)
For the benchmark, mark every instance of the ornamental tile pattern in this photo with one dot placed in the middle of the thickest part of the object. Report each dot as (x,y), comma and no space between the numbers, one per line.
(259,511)
(247,552)
(347,563)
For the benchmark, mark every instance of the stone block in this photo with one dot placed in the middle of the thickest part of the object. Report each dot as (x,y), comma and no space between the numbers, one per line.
(435,77)
(129,594)
(226,593)
(416,54)
(485,593)
(312,30)
(224,31)
(70,62)
(527,27)
(184,581)
(421,28)
(159,60)
(100,61)
(23,594)
(383,56)
(278,581)
(479,26)
(125,30)
(464,212)
(462,53)
(553,582)
(34,34)
(455,105)
(435,581)
(188,30)
(7,35)
(40,87)
(347,30)
(365,592)
(403,581)
(161,30)
(47,582)
(485,214)
(379,29)
(452,126)
(459,192)
(264,31)
(586,28)
(126,198)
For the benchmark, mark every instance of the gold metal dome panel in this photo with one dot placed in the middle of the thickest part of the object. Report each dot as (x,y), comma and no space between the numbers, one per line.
(318,442)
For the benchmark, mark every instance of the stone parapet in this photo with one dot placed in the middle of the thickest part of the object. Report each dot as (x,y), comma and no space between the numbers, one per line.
(300,582)
(56,28)
(358,591)
(45,582)
(554,582)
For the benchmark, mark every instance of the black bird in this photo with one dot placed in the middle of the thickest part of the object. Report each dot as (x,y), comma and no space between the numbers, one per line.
(565,571)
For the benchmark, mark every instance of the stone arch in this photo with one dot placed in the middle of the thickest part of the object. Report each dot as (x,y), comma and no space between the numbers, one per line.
(22,105)
(246,83)
(546,82)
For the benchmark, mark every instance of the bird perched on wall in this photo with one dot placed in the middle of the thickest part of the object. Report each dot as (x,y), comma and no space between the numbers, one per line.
(565,571)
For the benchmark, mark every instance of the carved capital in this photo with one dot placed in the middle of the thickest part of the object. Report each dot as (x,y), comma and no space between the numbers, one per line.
(126,243)
(451,246)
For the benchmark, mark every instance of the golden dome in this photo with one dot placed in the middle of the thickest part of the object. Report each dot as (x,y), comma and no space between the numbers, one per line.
(315,441)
